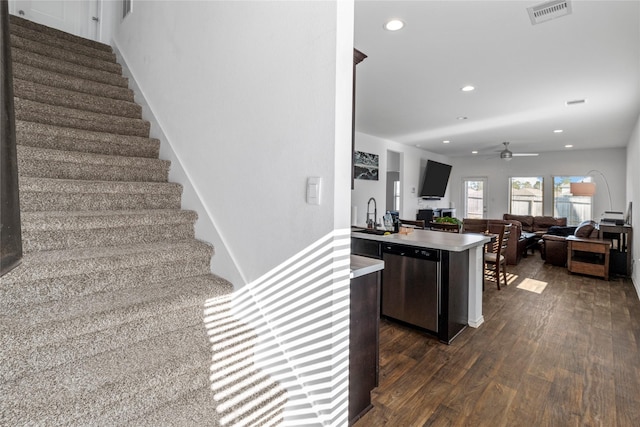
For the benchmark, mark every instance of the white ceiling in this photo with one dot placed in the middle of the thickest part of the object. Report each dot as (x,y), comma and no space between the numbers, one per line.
(408,89)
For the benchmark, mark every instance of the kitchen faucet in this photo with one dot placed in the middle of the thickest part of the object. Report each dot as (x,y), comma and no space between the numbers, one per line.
(372,224)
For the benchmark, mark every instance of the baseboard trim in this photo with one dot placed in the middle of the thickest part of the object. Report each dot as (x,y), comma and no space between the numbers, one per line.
(477,322)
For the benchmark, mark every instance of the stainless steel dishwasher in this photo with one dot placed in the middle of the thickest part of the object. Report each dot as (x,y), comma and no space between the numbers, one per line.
(411,285)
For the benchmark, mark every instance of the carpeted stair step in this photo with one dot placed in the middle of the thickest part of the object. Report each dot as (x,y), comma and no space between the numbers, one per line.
(53,41)
(185,410)
(46,163)
(87,328)
(43,194)
(45,231)
(191,409)
(70,99)
(78,75)
(129,383)
(28,293)
(70,139)
(16,20)
(54,275)
(30,351)
(65,55)
(67,117)
(143,376)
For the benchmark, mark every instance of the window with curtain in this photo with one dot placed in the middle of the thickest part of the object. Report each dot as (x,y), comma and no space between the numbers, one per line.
(575,208)
(526,195)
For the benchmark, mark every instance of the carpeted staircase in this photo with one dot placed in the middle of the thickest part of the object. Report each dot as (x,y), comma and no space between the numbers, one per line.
(102,323)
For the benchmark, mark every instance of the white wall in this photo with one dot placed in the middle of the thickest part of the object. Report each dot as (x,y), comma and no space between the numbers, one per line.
(230,85)
(633,195)
(611,163)
(410,176)
(253,98)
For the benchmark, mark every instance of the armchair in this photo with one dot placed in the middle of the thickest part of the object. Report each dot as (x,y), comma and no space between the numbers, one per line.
(553,247)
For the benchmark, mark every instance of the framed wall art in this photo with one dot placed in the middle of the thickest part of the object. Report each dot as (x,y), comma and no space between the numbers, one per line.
(366,166)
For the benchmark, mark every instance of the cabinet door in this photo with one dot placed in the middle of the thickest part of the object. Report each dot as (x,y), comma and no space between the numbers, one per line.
(368,248)
(363,343)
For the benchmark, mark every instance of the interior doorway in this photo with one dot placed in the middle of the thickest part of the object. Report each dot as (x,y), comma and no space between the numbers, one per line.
(474,197)
(394,198)
(76,17)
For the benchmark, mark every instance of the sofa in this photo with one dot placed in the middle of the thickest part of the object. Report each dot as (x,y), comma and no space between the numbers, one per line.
(553,247)
(515,245)
(537,225)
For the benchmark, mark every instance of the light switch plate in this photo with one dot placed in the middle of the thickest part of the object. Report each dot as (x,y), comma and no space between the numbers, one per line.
(313,190)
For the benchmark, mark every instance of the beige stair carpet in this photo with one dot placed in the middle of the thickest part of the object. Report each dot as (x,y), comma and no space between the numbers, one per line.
(103,322)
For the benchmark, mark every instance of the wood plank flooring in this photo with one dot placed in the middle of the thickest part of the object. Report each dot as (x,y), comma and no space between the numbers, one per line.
(568,356)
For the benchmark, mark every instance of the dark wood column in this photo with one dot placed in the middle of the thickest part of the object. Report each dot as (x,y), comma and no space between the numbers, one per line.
(10,235)
(358,57)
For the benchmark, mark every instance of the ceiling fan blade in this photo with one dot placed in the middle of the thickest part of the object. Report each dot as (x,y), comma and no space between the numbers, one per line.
(524,154)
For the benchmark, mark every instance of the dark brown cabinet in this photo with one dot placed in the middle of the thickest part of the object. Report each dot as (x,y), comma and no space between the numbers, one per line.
(621,253)
(358,57)
(363,343)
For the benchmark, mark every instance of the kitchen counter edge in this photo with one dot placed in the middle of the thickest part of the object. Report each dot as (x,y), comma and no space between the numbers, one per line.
(361,266)
(454,242)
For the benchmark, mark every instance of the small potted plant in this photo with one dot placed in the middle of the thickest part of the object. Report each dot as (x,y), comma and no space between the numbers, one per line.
(448,223)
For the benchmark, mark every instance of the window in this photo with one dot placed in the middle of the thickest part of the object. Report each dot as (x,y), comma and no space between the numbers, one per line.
(526,195)
(396,195)
(575,208)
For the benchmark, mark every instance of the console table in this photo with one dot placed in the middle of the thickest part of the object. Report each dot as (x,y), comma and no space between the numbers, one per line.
(588,256)
(622,238)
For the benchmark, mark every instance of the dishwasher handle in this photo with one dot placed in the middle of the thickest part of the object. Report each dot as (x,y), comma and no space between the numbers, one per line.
(412,252)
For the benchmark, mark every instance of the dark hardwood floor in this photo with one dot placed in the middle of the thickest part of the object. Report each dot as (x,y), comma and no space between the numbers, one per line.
(568,356)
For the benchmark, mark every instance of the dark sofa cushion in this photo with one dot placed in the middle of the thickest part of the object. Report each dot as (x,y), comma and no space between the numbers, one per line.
(525,220)
(556,230)
(542,223)
(585,229)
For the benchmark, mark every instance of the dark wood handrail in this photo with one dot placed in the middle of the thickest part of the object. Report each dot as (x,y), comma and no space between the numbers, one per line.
(10,234)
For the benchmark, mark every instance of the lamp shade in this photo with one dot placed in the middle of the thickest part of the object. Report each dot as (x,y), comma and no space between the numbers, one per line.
(582,188)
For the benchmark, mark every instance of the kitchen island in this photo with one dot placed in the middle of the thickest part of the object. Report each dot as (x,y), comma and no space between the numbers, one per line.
(459,271)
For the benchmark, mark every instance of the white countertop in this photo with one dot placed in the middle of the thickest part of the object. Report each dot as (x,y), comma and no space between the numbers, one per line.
(361,266)
(454,242)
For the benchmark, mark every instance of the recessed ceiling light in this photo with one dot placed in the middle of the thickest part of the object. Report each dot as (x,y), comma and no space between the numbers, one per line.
(558,131)
(568,146)
(446,141)
(468,88)
(394,25)
(474,152)
(461,118)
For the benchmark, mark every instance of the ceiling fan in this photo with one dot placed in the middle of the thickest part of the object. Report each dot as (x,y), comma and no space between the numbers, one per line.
(507,154)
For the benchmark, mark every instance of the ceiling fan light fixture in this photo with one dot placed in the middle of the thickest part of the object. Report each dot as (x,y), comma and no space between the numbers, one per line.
(506,154)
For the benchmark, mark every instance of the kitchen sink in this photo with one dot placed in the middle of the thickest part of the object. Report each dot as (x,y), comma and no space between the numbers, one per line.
(370,231)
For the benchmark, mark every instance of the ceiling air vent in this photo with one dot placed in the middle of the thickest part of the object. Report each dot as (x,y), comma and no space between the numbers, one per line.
(549,10)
